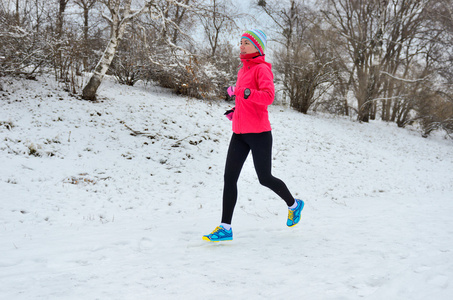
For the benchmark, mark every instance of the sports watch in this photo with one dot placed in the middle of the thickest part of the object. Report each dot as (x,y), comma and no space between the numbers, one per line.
(246,93)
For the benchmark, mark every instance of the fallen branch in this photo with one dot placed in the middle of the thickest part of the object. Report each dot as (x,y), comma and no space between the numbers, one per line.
(136,133)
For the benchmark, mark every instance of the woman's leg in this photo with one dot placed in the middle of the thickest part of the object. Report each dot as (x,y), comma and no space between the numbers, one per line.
(237,154)
(261,146)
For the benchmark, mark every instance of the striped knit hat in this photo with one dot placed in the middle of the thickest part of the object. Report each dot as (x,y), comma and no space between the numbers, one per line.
(258,39)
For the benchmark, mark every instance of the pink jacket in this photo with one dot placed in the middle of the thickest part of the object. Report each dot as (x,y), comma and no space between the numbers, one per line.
(251,115)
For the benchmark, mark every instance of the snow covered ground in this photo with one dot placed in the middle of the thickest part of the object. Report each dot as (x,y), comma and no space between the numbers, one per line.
(90,210)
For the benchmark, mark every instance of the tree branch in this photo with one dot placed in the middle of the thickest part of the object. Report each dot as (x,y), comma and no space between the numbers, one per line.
(404,80)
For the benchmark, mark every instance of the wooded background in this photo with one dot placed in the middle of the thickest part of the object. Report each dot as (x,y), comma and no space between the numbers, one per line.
(367,59)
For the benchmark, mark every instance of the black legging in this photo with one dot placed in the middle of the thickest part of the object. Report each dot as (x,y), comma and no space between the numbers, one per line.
(240,146)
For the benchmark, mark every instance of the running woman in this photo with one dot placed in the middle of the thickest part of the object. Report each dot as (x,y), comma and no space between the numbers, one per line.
(254,92)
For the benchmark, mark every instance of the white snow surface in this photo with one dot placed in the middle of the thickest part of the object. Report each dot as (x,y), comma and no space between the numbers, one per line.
(98,213)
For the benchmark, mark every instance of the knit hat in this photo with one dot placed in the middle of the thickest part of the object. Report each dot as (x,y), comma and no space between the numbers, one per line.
(258,39)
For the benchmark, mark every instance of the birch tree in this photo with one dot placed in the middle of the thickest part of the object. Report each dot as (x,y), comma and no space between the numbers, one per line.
(121,14)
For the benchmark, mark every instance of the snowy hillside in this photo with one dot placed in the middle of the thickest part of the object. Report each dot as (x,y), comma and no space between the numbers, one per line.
(109,200)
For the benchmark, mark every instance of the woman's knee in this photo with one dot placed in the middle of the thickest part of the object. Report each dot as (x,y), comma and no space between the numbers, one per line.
(267,181)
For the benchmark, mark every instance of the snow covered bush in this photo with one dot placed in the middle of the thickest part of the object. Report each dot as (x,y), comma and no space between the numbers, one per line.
(185,77)
(201,76)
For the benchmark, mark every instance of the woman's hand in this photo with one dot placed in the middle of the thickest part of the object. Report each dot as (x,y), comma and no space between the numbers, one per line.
(229,114)
(230,91)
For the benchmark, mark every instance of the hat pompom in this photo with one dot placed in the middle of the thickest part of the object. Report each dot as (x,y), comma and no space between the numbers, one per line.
(258,39)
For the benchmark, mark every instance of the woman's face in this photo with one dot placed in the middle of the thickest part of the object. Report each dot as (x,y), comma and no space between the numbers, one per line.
(247,47)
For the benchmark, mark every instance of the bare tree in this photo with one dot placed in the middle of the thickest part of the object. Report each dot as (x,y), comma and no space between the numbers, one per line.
(22,41)
(182,65)
(215,19)
(435,110)
(86,6)
(305,59)
(58,55)
(380,36)
(355,22)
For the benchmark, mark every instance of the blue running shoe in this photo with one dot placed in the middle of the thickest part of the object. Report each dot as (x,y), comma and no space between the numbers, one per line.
(219,234)
(294,214)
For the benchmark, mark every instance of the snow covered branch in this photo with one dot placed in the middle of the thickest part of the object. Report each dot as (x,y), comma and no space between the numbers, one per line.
(403,79)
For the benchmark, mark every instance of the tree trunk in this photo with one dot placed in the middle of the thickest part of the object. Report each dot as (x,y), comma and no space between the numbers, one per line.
(85,37)
(89,91)
(362,93)
(17,16)
(59,68)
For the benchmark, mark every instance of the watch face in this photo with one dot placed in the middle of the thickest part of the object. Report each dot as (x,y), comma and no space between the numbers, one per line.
(246,93)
